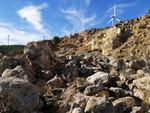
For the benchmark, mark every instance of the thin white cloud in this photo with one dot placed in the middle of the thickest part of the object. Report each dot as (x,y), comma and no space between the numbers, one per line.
(16,36)
(78,19)
(33,15)
(87,2)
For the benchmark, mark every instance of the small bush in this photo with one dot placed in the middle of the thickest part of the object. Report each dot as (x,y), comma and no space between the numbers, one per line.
(120,56)
(133,57)
(101,35)
(141,26)
(95,50)
(89,51)
(99,50)
(56,40)
(73,53)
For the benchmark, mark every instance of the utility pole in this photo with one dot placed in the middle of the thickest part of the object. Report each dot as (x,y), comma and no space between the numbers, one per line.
(8,40)
(43,37)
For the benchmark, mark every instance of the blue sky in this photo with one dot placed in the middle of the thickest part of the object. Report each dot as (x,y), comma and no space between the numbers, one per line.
(34,20)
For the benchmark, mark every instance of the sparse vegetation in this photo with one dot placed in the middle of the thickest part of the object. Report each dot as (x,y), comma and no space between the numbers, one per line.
(73,53)
(89,51)
(131,22)
(99,50)
(141,26)
(120,56)
(94,50)
(133,57)
(101,35)
(56,40)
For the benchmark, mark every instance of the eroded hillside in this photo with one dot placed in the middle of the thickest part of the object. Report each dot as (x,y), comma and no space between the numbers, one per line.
(122,39)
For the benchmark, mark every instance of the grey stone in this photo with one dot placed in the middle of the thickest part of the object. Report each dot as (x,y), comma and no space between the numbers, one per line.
(19,95)
(101,77)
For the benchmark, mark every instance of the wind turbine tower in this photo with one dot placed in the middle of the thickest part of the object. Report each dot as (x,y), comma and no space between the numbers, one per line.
(114,16)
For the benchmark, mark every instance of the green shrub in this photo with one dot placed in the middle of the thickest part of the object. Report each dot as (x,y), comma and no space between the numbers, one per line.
(73,53)
(99,50)
(120,56)
(89,51)
(101,35)
(141,26)
(94,50)
(56,40)
(133,57)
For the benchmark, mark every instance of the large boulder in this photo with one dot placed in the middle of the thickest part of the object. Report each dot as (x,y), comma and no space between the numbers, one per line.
(11,62)
(101,77)
(20,72)
(40,56)
(18,95)
(99,105)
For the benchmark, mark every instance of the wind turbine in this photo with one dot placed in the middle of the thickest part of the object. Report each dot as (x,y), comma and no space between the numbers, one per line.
(114,16)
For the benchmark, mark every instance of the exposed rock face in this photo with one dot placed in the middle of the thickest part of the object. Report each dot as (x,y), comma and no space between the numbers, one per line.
(40,56)
(113,38)
(19,95)
(99,105)
(101,77)
(20,72)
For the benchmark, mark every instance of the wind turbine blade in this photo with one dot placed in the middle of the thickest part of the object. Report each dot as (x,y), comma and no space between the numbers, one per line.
(117,19)
(109,21)
(114,10)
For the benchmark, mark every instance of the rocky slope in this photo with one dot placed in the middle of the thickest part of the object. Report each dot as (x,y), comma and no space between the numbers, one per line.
(122,39)
(103,70)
